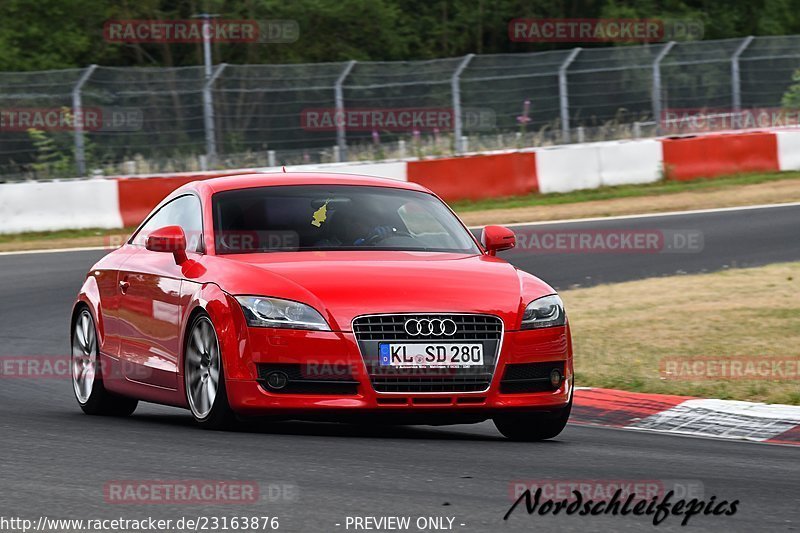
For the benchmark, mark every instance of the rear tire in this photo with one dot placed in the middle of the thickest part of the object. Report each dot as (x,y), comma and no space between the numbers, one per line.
(531,427)
(87,381)
(204,377)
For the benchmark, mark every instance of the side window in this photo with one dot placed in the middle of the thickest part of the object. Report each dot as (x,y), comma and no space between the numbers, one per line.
(424,225)
(418,220)
(184,212)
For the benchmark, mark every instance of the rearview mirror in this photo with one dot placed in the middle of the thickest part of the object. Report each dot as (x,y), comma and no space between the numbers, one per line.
(169,239)
(497,238)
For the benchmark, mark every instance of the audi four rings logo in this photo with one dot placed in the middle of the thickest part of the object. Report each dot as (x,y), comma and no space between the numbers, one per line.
(430,326)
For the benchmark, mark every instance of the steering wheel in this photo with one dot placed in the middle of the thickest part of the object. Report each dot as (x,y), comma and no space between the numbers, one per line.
(395,233)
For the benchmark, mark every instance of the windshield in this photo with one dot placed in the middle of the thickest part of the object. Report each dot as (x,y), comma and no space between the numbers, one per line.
(338,217)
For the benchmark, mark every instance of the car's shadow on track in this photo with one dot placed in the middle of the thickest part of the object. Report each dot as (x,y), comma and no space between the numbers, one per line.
(173,419)
(329,429)
(323,429)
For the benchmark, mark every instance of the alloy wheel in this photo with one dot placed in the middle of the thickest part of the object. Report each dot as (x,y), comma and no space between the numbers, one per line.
(84,356)
(202,368)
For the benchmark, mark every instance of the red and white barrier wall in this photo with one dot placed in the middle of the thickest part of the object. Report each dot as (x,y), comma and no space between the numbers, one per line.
(592,165)
(125,201)
(718,155)
(788,150)
(48,206)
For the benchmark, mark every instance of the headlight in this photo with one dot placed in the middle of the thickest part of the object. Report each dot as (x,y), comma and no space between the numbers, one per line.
(262,312)
(544,312)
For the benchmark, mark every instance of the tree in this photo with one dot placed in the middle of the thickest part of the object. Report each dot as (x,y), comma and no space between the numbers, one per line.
(791,98)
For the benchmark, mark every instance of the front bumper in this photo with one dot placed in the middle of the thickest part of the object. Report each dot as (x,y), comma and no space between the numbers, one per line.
(323,351)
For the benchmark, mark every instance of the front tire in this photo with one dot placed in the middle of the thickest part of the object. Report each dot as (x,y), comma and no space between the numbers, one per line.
(531,427)
(204,377)
(87,382)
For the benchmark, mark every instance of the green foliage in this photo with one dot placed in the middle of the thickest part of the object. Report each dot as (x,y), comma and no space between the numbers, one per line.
(52,34)
(54,152)
(791,99)
(50,159)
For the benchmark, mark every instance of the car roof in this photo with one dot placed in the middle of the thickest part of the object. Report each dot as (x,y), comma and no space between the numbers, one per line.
(274,179)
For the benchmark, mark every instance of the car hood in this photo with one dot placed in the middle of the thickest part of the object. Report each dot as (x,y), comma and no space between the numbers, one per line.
(344,285)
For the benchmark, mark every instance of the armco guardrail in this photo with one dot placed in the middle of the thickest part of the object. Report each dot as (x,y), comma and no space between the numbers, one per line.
(125,201)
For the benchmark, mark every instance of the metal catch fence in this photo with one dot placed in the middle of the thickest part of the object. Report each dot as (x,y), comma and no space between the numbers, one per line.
(109,120)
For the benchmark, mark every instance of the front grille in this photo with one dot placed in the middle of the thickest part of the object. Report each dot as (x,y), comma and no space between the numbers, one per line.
(529,377)
(310,379)
(390,328)
(371,331)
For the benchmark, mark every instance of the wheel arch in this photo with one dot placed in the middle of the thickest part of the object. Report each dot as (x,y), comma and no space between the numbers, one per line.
(89,298)
(228,321)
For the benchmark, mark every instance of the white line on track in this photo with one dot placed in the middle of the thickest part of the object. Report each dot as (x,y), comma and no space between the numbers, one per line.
(538,223)
(649,215)
(57,250)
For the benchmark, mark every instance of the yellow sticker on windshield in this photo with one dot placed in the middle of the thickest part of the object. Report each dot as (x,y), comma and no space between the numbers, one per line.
(320,215)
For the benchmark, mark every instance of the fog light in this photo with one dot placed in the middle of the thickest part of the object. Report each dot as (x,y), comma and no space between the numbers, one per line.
(555,378)
(277,380)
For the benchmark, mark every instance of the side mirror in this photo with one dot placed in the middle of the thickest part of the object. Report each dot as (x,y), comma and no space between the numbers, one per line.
(169,239)
(497,238)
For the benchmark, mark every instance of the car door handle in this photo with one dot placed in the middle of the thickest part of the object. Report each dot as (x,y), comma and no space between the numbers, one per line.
(123,286)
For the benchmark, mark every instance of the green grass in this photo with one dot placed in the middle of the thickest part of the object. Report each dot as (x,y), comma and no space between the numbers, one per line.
(622,191)
(650,326)
(61,234)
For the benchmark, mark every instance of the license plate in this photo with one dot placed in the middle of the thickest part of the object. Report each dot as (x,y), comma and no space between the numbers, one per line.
(431,355)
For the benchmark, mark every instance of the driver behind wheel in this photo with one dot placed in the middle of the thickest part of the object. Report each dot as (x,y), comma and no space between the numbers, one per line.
(376,234)
(350,228)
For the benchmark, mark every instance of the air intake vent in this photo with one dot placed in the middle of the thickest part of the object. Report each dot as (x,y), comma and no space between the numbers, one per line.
(530,377)
(285,378)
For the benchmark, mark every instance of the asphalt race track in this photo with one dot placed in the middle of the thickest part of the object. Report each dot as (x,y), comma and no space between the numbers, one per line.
(56,461)
(735,238)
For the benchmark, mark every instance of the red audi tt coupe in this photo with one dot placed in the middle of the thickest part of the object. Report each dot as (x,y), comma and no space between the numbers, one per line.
(321,296)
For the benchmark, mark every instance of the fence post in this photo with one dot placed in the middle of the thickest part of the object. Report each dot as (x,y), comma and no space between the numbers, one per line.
(656,96)
(341,134)
(736,82)
(563,96)
(77,120)
(208,115)
(455,85)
